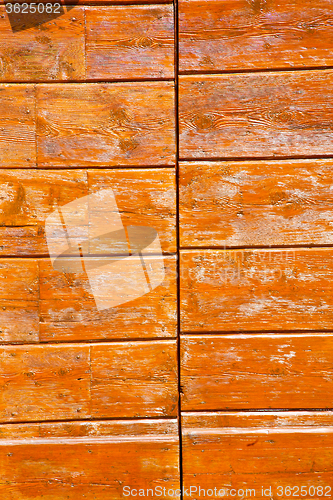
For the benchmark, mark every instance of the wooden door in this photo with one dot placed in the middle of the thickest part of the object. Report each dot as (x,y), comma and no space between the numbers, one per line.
(210,124)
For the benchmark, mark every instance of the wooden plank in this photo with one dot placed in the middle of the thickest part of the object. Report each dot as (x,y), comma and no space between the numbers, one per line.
(17,126)
(243,35)
(66,382)
(251,419)
(256,203)
(44,383)
(145,197)
(105,124)
(136,379)
(130,42)
(68,310)
(223,372)
(27,198)
(256,115)
(53,50)
(19,289)
(89,460)
(250,458)
(252,290)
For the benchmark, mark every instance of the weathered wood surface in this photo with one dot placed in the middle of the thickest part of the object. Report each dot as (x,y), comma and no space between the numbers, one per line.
(66,382)
(40,303)
(256,203)
(17,126)
(292,453)
(144,197)
(19,296)
(93,43)
(130,42)
(105,124)
(256,371)
(88,460)
(243,35)
(68,311)
(134,379)
(54,50)
(252,290)
(256,115)
(249,419)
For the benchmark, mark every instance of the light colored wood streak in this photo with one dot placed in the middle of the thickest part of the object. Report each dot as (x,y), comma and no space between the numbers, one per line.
(256,203)
(256,371)
(256,115)
(65,382)
(252,290)
(216,35)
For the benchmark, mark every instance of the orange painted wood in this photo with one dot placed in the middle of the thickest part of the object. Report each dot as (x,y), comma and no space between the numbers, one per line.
(292,453)
(17,126)
(88,460)
(136,379)
(242,35)
(28,197)
(45,383)
(66,382)
(256,203)
(223,372)
(130,42)
(68,311)
(256,115)
(249,419)
(19,293)
(54,50)
(145,197)
(105,124)
(251,290)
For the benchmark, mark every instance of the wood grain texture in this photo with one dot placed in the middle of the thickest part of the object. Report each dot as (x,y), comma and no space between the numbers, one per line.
(45,383)
(256,371)
(256,115)
(88,460)
(17,126)
(252,290)
(66,382)
(144,197)
(68,310)
(106,124)
(252,458)
(130,42)
(54,50)
(256,203)
(27,198)
(242,35)
(19,294)
(134,379)
(249,419)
